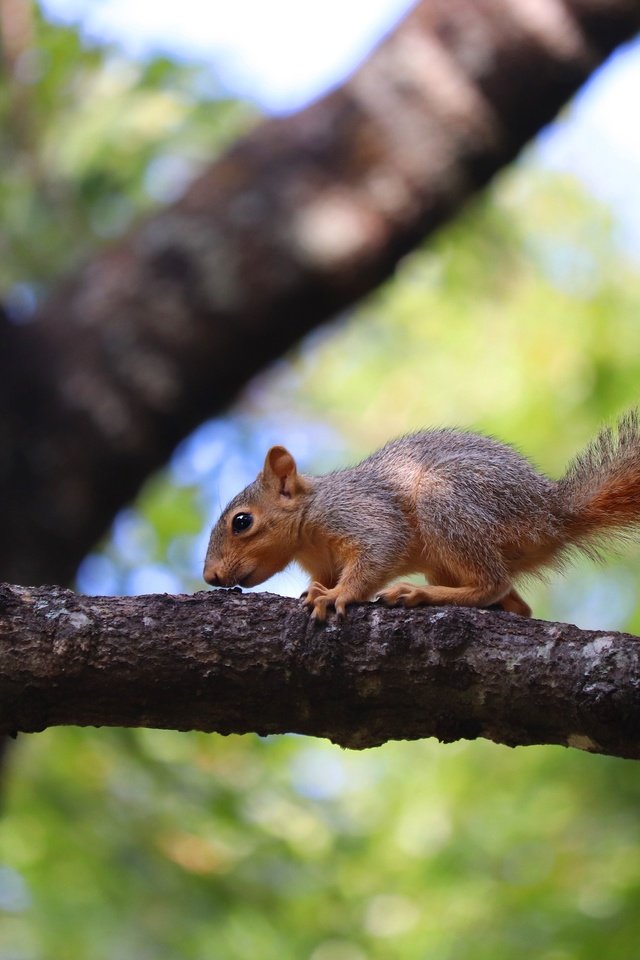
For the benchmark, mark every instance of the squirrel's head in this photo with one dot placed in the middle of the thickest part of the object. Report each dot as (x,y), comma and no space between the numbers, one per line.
(257,534)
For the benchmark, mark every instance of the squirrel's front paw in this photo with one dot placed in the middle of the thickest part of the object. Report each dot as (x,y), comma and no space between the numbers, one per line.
(320,598)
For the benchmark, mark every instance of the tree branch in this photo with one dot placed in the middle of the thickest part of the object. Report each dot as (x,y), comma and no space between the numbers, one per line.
(298,220)
(234,663)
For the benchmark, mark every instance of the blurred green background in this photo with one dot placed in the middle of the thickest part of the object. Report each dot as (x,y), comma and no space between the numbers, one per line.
(521,319)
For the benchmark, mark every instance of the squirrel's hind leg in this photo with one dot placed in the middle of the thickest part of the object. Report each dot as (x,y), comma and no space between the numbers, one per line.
(410,595)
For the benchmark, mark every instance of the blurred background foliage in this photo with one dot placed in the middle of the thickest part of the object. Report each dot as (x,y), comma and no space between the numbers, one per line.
(89,140)
(520,319)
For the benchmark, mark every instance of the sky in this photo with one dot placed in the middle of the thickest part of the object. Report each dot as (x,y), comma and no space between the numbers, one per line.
(599,141)
(280,54)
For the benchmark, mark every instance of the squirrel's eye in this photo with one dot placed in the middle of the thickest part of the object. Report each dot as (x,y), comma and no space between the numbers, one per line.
(241,521)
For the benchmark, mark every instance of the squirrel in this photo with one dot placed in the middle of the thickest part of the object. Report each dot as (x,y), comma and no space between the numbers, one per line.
(467,511)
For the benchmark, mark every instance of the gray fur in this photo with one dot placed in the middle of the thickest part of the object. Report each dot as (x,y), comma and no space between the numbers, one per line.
(486,492)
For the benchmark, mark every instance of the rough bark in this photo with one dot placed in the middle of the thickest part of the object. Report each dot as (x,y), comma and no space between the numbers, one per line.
(233,663)
(296,222)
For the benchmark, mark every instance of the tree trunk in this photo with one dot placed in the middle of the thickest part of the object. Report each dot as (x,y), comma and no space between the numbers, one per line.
(299,220)
(233,663)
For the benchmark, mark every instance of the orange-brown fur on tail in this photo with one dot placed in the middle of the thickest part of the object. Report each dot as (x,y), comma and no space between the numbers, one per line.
(602,485)
(469,513)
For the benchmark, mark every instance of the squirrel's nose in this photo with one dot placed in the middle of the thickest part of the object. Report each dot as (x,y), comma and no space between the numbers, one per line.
(211,576)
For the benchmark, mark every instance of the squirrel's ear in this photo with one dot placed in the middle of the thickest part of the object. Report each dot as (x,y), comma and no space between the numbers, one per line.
(280,471)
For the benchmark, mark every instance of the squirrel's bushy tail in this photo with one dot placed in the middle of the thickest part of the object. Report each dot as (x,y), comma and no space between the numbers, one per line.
(601,489)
